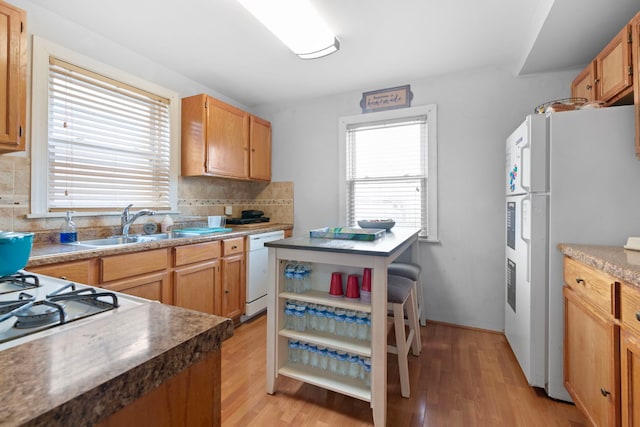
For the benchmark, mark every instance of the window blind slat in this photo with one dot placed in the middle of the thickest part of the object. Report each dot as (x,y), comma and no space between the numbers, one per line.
(386,172)
(109,143)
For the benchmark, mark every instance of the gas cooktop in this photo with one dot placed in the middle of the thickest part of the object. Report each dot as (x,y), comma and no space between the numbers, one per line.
(33,305)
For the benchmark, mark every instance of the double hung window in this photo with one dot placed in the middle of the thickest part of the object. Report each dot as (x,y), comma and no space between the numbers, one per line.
(389,172)
(107,143)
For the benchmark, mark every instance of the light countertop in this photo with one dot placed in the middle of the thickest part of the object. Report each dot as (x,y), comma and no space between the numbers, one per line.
(623,264)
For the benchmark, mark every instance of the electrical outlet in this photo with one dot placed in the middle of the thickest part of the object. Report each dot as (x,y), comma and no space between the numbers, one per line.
(228,210)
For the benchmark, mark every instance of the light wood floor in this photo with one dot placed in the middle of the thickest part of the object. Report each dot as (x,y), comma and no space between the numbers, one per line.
(462,378)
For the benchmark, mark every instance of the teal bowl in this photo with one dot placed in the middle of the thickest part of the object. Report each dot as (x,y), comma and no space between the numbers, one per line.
(15,249)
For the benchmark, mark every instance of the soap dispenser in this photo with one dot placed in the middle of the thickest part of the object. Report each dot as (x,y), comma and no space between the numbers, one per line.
(68,232)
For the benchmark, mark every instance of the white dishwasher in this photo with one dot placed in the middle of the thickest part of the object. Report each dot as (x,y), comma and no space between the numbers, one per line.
(257,266)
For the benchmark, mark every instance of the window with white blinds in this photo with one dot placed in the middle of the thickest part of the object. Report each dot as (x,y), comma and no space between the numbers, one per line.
(108,142)
(387,171)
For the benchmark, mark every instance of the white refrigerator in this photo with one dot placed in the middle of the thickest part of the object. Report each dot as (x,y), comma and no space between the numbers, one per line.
(572,177)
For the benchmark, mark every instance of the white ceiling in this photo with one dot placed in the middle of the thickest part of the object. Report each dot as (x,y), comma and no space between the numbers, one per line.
(383,42)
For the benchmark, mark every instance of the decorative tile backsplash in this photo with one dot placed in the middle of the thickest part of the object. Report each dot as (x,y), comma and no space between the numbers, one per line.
(197,197)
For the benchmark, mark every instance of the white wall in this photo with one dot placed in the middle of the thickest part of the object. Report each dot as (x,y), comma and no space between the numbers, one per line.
(72,36)
(464,273)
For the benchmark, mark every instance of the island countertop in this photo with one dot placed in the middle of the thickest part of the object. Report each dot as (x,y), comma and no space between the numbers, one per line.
(616,261)
(389,243)
(81,375)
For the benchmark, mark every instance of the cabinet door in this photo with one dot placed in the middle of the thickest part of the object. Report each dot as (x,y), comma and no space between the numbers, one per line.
(227,140)
(152,286)
(630,377)
(233,286)
(260,146)
(591,360)
(583,86)
(13,75)
(83,272)
(197,287)
(635,46)
(613,67)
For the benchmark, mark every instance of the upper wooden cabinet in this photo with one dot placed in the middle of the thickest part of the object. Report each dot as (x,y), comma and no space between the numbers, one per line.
(259,149)
(13,75)
(609,77)
(635,58)
(221,140)
(584,86)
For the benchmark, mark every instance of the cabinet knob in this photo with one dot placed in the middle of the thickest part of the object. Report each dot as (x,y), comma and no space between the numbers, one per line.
(579,280)
(589,87)
(234,247)
(226,291)
(604,392)
(638,316)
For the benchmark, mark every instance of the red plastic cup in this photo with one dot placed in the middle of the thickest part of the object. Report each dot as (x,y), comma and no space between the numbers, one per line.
(353,291)
(366,280)
(335,290)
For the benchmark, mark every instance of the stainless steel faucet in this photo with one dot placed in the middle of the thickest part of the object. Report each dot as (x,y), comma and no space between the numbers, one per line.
(126,219)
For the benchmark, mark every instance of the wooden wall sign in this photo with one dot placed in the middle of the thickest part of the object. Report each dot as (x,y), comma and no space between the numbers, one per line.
(386,99)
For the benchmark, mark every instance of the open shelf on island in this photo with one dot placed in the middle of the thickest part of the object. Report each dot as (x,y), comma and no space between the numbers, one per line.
(324,299)
(321,378)
(353,346)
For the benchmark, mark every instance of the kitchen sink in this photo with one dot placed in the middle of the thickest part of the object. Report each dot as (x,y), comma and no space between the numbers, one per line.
(129,240)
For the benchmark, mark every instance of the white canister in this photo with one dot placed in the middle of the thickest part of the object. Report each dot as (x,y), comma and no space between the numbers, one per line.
(166,224)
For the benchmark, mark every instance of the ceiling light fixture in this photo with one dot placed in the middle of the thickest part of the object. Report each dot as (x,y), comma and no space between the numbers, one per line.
(297,24)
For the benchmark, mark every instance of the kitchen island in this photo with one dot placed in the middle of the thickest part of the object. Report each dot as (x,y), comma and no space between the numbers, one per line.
(326,256)
(146,365)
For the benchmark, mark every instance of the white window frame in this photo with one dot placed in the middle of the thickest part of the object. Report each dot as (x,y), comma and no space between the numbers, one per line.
(430,111)
(42,50)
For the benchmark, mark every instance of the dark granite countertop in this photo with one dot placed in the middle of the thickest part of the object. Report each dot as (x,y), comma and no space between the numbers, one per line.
(81,375)
(54,253)
(390,242)
(623,264)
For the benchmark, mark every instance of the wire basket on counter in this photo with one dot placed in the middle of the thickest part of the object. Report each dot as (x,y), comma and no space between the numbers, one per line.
(564,104)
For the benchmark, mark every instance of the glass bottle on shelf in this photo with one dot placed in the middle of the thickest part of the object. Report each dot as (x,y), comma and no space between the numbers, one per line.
(354,366)
(289,315)
(289,271)
(321,314)
(351,326)
(341,322)
(361,323)
(343,363)
(323,357)
(331,320)
(300,317)
(314,360)
(294,352)
(312,317)
(304,353)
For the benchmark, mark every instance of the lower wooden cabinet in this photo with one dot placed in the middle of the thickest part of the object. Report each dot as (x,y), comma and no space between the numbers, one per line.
(197,287)
(591,343)
(630,378)
(84,271)
(233,278)
(150,286)
(191,398)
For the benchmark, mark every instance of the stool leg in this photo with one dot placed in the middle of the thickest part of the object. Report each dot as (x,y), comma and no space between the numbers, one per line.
(412,317)
(402,348)
(422,316)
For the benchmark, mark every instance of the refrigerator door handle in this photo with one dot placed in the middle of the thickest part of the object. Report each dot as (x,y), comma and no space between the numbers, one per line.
(525,230)
(525,164)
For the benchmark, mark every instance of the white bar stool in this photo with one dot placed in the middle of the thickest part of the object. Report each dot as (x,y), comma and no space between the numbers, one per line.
(410,271)
(401,295)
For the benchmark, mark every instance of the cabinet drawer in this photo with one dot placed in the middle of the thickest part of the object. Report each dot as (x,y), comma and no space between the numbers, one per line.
(197,252)
(128,265)
(233,246)
(630,307)
(76,271)
(594,285)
